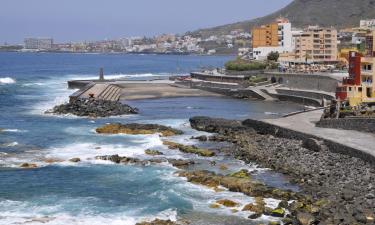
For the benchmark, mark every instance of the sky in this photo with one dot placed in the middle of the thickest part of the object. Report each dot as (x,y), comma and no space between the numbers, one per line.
(80,20)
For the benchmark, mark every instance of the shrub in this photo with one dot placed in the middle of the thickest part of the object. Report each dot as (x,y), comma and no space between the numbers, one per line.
(244,65)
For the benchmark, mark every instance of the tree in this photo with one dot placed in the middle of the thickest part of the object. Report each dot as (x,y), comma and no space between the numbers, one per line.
(273,56)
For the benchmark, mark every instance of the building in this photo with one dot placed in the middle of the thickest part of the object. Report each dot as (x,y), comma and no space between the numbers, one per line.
(359,87)
(367,24)
(316,45)
(274,37)
(38,43)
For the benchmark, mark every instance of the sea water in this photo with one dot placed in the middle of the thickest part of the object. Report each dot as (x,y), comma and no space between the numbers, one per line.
(97,192)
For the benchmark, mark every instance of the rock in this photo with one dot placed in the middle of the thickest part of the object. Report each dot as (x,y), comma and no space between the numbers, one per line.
(255,216)
(136,129)
(288,221)
(305,218)
(258,209)
(158,222)
(227,203)
(153,152)
(244,174)
(215,206)
(246,186)
(223,167)
(180,163)
(274,223)
(283,204)
(75,160)
(189,149)
(93,108)
(51,160)
(28,165)
(201,138)
(278,212)
(312,144)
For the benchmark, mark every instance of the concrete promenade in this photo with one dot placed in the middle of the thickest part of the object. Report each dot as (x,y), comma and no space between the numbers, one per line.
(305,123)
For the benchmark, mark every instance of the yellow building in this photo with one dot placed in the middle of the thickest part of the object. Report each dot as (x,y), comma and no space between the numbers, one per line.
(316,45)
(359,87)
(265,36)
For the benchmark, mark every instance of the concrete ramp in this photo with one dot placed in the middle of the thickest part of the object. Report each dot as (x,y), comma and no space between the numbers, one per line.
(109,92)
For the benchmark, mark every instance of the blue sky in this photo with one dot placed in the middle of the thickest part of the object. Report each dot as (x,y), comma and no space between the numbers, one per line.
(78,20)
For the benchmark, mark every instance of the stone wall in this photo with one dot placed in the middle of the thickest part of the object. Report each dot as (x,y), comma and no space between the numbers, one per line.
(359,124)
(304,81)
(307,94)
(266,128)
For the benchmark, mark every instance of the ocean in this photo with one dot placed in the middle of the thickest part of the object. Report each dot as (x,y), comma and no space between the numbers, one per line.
(96,192)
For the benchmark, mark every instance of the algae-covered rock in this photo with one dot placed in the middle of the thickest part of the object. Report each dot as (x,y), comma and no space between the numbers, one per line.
(258,209)
(214,206)
(28,165)
(135,129)
(274,223)
(244,174)
(158,222)
(189,149)
(227,203)
(153,152)
(75,160)
(278,212)
(223,167)
(246,186)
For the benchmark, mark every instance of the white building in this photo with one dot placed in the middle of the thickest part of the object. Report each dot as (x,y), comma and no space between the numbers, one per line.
(367,24)
(39,43)
(284,38)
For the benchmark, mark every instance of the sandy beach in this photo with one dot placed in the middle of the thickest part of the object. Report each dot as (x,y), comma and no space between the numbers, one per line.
(136,90)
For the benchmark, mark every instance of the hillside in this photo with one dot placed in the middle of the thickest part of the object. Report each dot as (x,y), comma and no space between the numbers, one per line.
(337,13)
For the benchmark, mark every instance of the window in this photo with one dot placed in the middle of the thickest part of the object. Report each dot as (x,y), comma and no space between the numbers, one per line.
(350,88)
(360,89)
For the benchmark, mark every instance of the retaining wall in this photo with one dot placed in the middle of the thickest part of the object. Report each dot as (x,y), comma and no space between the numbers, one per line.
(359,124)
(304,81)
(266,128)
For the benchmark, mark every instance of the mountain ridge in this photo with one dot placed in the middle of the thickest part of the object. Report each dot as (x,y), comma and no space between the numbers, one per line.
(336,13)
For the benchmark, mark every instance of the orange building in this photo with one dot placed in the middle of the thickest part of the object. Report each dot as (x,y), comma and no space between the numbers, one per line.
(266,36)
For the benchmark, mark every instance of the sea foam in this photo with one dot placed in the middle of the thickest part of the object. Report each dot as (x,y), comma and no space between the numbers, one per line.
(7,80)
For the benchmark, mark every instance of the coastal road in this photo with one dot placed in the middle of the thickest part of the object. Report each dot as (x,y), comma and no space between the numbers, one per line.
(305,123)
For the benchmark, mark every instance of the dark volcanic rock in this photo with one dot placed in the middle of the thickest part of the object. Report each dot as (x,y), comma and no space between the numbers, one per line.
(335,188)
(312,144)
(93,108)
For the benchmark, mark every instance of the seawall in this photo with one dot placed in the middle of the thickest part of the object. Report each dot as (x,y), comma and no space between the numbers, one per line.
(282,132)
(359,124)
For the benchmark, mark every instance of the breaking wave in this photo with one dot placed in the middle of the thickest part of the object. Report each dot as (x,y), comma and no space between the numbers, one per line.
(7,80)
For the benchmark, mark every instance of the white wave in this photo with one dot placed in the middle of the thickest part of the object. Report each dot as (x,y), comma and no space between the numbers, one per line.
(34,84)
(88,151)
(13,130)
(7,80)
(271,113)
(12,144)
(16,212)
(116,76)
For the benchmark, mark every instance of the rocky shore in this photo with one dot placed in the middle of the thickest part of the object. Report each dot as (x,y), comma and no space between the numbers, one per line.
(336,188)
(93,108)
(137,128)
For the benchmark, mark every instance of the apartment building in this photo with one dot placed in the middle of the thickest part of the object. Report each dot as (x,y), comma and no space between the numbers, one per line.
(274,37)
(316,45)
(38,43)
(359,87)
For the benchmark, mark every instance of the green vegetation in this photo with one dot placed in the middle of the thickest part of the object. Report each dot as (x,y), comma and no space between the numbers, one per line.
(245,65)
(273,56)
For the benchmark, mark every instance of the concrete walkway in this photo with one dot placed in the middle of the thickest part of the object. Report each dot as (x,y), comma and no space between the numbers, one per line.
(305,123)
